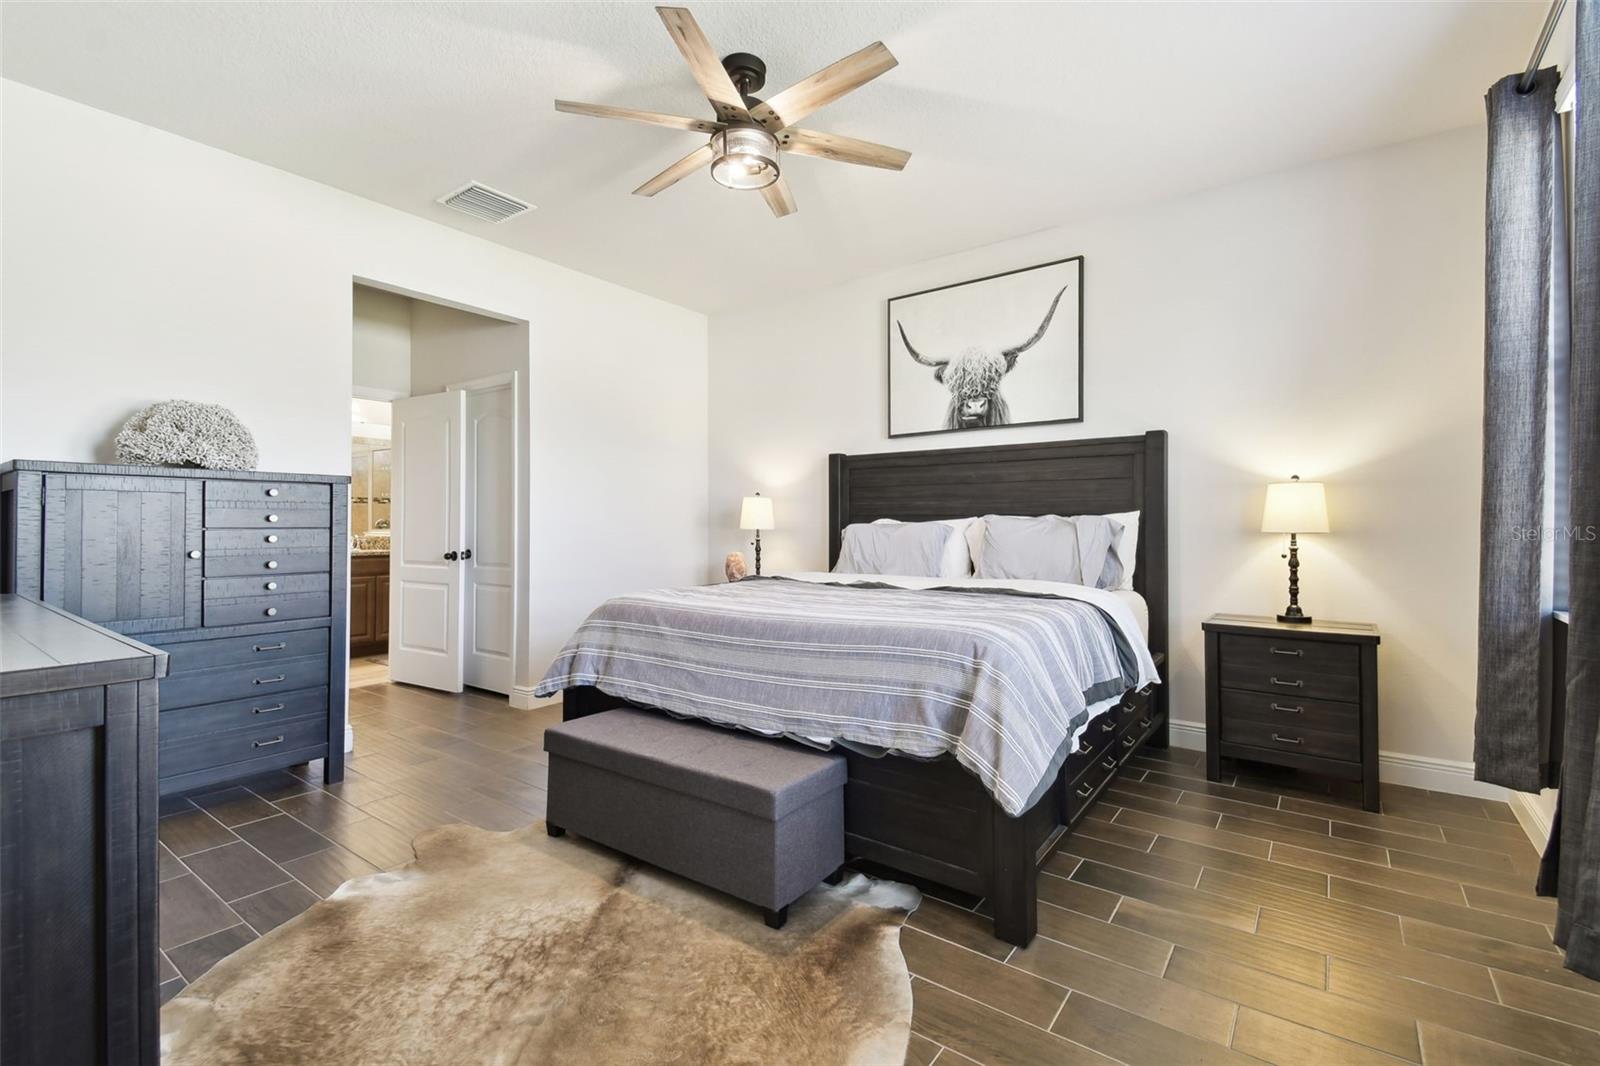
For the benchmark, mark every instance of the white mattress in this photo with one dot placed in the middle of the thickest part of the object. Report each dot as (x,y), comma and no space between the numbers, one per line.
(1140,609)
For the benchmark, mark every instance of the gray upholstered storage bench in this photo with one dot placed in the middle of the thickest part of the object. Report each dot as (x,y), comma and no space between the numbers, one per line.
(759,819)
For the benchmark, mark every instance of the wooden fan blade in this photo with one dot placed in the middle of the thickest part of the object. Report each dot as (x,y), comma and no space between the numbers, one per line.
(676,172)
(628,114)
(779,198)
(842,149)
(824,87)
(703,63)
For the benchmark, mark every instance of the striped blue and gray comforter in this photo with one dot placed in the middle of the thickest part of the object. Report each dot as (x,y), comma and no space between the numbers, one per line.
(1003,680)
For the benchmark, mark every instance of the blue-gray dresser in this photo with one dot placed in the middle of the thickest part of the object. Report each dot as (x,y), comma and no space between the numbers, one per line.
(239,576)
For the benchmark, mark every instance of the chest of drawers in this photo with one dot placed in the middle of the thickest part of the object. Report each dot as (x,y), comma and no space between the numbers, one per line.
(1301,696)
(240,576)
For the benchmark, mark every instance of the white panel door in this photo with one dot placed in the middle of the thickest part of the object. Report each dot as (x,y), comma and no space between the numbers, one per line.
(426,520)
(491,536)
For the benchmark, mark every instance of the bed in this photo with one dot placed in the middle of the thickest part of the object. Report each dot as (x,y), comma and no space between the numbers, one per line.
(942,819)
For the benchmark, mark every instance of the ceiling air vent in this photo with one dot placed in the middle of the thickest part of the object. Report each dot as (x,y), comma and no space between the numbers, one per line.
(480,201)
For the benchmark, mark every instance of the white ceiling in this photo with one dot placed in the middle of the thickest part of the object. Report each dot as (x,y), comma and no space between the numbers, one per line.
(1019,116)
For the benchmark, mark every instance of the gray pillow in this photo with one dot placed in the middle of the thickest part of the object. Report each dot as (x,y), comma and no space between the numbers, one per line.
(911,549)
(1079,550)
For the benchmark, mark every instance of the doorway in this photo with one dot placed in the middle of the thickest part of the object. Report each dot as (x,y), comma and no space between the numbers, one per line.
(442,595)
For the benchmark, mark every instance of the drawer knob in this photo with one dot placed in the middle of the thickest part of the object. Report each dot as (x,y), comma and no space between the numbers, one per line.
(266,710)
(271,611)
(272,538)
(267,743)
(194,553)
(1288,684)
(1287,740)
(272,564)
(1107,727)
(271,585)
(272,518)
(1129,742)
(1288,651)
(1109,764)
(1287,710)
(272,492)
(271,647)
(1083,793)
(1144,722)
(271,680)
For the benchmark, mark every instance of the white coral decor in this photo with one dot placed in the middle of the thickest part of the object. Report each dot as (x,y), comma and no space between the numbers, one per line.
(184,433)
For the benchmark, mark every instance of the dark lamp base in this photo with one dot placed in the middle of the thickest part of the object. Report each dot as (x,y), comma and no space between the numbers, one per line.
(1296,618)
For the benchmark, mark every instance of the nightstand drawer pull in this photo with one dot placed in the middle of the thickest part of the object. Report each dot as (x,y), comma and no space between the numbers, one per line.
(1144,723)
(1290,710)
(1129,742)
(1109,764)
(1107,726)
(1288,740)
(1083,793)
(1288,651)
(1289,684)
(266,710)
(267,743)
(271,680)
(270,647)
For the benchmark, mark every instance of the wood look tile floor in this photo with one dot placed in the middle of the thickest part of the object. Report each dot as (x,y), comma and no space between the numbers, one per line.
(1259,919)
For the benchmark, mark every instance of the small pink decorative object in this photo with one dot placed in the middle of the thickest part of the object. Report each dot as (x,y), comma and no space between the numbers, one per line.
(733,566)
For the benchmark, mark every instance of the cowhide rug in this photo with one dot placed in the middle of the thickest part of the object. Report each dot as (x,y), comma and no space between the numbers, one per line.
(518,948)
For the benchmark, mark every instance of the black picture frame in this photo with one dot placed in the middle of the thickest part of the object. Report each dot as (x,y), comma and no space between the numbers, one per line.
(889,351)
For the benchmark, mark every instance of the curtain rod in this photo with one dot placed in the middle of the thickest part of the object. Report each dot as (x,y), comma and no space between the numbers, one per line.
(1525,83)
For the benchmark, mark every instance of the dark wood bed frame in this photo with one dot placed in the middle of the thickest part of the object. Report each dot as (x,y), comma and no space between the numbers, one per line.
(932,819)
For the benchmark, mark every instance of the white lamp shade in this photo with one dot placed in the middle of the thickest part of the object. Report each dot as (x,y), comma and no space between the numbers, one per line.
(756,513)
(1295,507)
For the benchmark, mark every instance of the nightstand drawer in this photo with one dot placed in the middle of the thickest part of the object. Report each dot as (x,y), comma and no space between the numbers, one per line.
(1292,712)
(1279,738)
(1286,666)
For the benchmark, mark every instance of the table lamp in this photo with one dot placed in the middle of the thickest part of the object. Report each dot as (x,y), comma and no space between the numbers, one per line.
(756,514)
(1295,507)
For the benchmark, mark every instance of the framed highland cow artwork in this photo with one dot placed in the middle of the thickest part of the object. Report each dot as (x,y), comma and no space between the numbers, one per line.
(1003,350)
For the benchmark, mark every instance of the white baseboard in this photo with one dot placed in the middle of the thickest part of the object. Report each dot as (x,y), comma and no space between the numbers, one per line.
(523,699)
(1395,767)
(1533,820)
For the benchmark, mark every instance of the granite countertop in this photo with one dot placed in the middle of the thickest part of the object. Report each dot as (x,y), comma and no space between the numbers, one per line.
(358,552)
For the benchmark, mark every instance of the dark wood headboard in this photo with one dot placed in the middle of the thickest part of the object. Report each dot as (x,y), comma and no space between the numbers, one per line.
(1095,476)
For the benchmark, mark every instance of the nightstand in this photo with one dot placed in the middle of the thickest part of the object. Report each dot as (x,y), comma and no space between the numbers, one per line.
(1301,696)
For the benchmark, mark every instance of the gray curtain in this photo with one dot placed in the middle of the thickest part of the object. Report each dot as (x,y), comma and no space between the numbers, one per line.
(1573,859)
(1516,565)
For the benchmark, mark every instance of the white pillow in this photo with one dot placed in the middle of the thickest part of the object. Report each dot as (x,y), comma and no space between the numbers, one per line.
(958,551)
(1127,546)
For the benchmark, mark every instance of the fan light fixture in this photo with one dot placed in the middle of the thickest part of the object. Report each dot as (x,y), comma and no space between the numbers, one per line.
(744,157)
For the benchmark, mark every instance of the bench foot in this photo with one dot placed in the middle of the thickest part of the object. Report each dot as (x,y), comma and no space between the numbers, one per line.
(835,877)
(554,830)
(775,918)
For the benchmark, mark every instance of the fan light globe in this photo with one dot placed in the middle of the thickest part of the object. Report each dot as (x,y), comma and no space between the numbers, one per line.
(744,157)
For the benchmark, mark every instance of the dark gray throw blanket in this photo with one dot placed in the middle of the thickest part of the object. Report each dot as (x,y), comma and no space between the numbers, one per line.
(1002,679)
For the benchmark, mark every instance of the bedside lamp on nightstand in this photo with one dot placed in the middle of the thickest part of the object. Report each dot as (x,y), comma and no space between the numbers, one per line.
(1295,507)
(756,514)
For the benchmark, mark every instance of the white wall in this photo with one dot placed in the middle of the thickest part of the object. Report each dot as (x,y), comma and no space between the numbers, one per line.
(140,266)
(1325,321)
(380,343)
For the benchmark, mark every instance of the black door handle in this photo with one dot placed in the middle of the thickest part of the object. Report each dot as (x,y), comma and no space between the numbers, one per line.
(452,556)
(466,553)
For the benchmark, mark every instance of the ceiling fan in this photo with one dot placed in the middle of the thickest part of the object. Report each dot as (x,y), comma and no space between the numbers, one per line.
(748,134)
